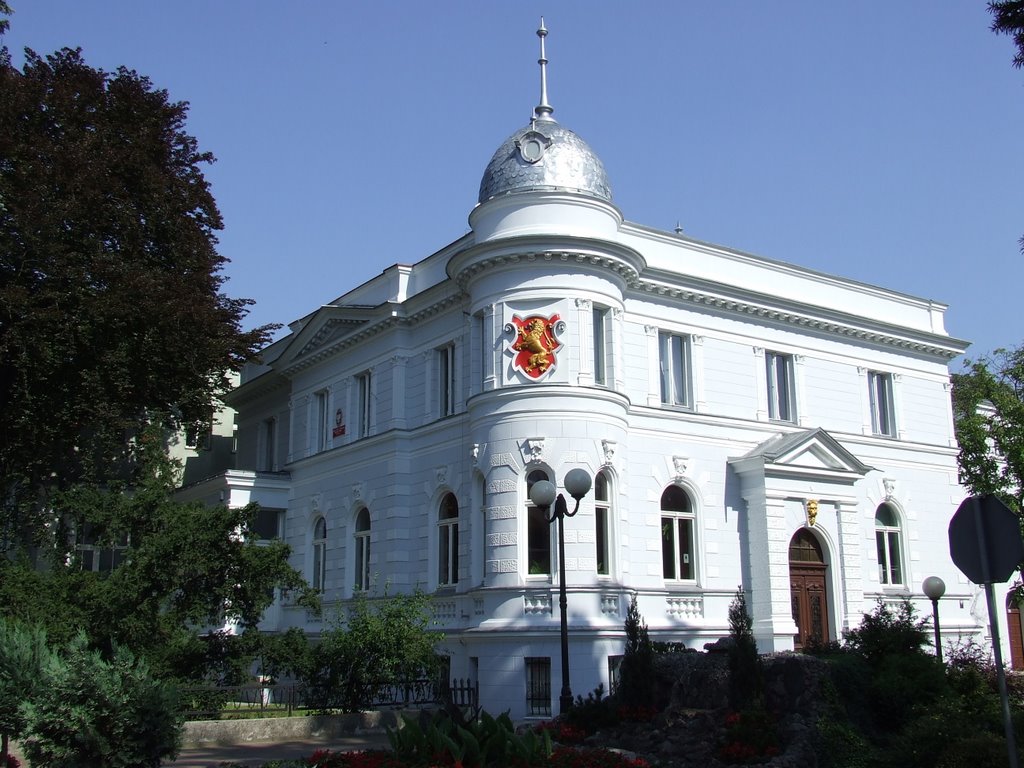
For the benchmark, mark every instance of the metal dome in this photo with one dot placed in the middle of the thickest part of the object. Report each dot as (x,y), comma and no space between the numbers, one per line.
(544,156)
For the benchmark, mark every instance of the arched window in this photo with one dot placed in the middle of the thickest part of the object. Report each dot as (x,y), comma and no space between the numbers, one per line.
(362,542)
(319,553)
(602,523)
(677,550)
(538,531)
(887,542)
(448,541)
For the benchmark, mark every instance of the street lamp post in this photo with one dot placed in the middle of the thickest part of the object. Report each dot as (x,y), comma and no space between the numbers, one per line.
(934,588)
(542,494)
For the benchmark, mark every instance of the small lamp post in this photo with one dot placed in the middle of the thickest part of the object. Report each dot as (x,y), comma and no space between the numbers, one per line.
(934,588)
(542,494)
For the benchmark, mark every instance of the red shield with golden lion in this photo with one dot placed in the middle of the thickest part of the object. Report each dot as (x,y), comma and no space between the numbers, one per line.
(535,343)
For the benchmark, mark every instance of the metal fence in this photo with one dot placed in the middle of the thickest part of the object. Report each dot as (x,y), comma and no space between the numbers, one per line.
(212,702)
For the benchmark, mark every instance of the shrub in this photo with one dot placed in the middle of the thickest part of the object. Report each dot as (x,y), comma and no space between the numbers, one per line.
(481,743)
(746,678)
(91,712)
(593,713)
(885,633)
(382,643)
(637,671)
(23,654)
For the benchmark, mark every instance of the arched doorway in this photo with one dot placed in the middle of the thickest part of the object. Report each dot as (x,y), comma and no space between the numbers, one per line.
(808,591)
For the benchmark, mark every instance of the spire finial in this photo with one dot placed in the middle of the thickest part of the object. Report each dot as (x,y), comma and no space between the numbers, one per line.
(543,110)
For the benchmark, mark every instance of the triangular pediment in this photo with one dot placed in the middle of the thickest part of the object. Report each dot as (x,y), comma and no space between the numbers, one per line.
(323,331)
(812,452)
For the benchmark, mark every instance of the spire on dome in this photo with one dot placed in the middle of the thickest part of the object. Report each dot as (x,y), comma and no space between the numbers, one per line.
(543,110)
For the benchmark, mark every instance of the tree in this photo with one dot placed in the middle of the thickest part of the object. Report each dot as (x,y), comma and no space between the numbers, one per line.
(184,567)
(1008,19)
(988,412)
(23,656)
(90,712)
(112,315)
(381,643)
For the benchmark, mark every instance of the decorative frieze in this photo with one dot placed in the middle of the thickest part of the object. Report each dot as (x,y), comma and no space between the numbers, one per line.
(502,566)
(506,539)
(508,485)
(500,512)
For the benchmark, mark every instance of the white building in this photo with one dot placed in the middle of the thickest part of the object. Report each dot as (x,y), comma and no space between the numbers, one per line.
(746,422)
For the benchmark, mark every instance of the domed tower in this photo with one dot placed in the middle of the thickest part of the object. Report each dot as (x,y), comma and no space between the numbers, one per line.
(544,165)
(546,276)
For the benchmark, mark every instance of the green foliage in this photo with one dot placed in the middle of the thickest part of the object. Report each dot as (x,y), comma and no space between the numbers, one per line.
(884,634)
(23,656)
(184,566)
(593,713)
(893,705)
(111,311)
(637,670)
(480,743)
(91,712)
(988,412)
(1008,19)
(746,677)
(382,642)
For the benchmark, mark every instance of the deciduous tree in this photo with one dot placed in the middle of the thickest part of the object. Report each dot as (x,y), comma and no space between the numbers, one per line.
(112,310)
(988,412)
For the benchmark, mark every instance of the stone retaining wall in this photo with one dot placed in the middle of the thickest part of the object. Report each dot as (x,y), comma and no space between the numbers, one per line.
(279,729)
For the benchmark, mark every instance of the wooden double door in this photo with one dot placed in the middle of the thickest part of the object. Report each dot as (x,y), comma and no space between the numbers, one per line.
(808,580)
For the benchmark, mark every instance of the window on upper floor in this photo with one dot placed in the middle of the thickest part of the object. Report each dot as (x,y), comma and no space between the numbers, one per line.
(267,524)
(362,550)
(883,420)
(321,420)
(779,369)
(538,533)
(887,544)
(602,522)
(601,335)
(677,535)
(446,379)
(365,386)
(319,553)
(448,541)
(674,363)
(268,460)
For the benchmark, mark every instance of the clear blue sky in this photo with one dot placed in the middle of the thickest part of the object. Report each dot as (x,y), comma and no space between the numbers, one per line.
(878,140)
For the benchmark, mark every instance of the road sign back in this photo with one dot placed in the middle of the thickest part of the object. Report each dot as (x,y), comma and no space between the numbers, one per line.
(984,540)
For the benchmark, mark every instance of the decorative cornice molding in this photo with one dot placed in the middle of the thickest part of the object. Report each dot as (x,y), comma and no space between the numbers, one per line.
(803,318)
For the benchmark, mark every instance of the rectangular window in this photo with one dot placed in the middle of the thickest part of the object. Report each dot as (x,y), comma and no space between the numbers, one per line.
(601,537)
(267,524)
(779,368)
(880,389)
(538,687)
(320,421)
(888,546)
(538,542)
(365,403)
(674,360)
(601,346)
(677,548)
(614,670)
(269,446)
(446,379)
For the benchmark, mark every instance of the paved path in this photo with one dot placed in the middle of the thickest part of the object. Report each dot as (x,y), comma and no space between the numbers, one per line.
(258,753)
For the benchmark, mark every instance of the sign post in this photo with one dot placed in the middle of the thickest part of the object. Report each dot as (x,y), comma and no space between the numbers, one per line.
(986,545)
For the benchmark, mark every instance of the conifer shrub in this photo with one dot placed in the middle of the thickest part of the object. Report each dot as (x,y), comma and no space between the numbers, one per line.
(92,712)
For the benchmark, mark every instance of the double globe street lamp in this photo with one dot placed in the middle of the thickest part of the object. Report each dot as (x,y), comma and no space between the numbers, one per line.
(543,494)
